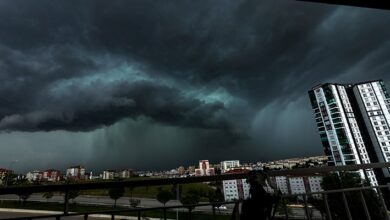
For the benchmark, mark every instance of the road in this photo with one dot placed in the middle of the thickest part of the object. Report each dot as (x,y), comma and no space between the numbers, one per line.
(298,212)
(104,200)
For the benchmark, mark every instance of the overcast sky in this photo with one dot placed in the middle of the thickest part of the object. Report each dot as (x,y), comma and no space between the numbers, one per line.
(155,85)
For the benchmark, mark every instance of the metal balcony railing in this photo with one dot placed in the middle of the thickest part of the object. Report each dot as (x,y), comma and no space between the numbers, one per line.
(65,188)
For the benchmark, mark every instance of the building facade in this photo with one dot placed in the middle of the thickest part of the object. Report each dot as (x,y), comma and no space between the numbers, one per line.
(34,176)
(4,172)
(124,174)
(75,172)
(353,123)
(297,184)
(204,169)
(235,189)
(229,164)
(108,175)
(51,175)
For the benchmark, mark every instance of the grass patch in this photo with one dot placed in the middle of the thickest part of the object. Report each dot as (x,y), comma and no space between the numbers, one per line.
(151,191)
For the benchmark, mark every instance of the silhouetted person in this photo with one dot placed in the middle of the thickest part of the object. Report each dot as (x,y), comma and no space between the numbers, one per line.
(259,205)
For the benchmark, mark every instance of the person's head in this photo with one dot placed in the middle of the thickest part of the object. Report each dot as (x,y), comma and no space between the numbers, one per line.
(257,180)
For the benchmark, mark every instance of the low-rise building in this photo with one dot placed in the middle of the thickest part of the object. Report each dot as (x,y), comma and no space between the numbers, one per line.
(125,173)
(204,169)
(34,176)
(108,175)
(229,164)
(298,184)
(282,184)
(4,172)
(75,172)
(51,175)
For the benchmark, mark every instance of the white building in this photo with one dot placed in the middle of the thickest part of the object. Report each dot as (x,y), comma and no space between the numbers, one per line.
(229,164)
(204,169)
(75,172)
(297,185)
(282,184)
(108,175)
(374,104)
(235,189)
(337,108)
(35,175)
(315,184)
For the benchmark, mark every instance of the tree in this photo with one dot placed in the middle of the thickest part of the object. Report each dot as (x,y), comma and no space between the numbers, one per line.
(319,204)
(215,196)
(190,198)
(23,197)
(335,200)
(163,196)
(134,202)
(72,194)
(283,208)
(116,193)
(176,189)
(48,195)
(10,179)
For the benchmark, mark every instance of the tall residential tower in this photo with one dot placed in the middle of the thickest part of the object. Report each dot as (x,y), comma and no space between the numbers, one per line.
(353,121)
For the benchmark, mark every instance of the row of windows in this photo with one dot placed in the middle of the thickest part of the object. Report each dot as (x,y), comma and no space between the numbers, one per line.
(383,133)
(381,128)
(375,113)
(362,150)
(368,104)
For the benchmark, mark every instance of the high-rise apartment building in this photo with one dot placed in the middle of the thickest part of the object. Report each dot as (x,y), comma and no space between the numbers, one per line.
(353,122)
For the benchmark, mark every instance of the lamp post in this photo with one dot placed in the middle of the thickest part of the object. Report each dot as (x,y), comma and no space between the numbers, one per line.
(8,173)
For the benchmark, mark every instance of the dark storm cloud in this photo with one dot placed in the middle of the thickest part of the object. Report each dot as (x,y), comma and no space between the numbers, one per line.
(229,45)
(237,70)
(97,104)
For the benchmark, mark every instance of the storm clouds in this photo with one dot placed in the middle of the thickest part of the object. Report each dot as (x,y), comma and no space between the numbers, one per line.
(112,84)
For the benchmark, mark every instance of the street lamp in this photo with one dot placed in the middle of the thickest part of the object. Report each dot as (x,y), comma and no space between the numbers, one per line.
(8,173)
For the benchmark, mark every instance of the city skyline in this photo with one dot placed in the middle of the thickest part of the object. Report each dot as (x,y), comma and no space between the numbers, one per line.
(108,86)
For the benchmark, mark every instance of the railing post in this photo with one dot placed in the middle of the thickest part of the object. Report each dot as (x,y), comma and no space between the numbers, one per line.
(308,215)
(165,213)
(346,206)
(238,210)
(86,217)
(327,206)
(189,213)
(66,202)
(365,205)
(177,199)
(383,203)
(112,216)
(139,214)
